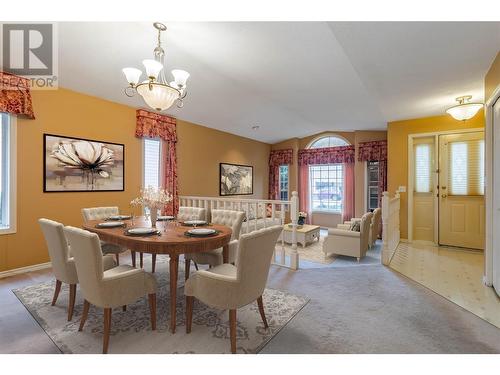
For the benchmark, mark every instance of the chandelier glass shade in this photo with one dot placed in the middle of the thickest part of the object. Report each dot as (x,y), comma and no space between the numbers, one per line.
(464,110)
(156,91)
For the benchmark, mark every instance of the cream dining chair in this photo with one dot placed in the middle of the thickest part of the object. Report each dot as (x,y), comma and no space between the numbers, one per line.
(191,213)
(63,264)
(232,219)
(113,288)
(101,213)
(231,287)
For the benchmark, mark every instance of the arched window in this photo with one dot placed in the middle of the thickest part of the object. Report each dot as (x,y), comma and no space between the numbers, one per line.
(326,192)
(329,141)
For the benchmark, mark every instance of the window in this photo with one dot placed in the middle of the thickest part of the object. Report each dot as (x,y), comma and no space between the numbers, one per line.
(326,187)
(423,168)
(330,141)
(372,184)
(152,157)
(284,182)
(466,167)
(7,174)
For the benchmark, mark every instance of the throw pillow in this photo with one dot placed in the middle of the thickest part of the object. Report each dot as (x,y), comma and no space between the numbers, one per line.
(355,226)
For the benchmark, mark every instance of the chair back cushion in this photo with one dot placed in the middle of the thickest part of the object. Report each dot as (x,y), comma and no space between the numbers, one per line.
(86,250)
(58,250)
(191,213)
(99,213)
(233,219)
(366,221)
(254,256)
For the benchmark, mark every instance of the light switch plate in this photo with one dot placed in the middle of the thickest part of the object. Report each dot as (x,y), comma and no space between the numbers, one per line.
(402,189)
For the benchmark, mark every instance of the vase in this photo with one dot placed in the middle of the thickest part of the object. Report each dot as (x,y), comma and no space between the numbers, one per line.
(301,220)
(153,214)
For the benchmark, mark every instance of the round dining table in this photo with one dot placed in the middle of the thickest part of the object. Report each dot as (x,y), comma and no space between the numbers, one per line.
(171,240)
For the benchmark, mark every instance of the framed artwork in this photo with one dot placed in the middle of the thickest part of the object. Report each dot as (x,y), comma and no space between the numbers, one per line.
(76,164)
(235,179)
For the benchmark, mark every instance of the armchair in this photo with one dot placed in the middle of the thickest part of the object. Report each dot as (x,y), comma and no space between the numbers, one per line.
(347,242)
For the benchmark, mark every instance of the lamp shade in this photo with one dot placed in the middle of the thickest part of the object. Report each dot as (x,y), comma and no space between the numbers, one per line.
(180,77)
(465,111)
(152,67)
(132,74)
(157,96)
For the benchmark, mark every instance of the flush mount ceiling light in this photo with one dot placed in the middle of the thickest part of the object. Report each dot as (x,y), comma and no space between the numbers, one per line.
(156,91)
(464,110)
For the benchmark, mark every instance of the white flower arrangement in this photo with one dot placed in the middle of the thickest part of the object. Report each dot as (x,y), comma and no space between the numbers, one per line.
(303,214)
(152,198)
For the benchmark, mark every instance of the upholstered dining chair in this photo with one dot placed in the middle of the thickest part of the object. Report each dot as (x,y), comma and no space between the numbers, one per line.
(113,288)
(63,264)
(348,242)
(213,258)
(101,213)
(230,287)
(191,213)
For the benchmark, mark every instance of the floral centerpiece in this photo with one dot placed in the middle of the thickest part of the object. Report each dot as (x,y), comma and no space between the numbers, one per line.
(302,218)
(153,199)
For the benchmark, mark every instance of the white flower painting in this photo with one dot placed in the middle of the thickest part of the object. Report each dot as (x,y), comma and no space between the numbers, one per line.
(236,179)
(73,164)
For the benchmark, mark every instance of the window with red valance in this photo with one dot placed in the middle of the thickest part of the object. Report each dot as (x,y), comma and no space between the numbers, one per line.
(155,125)
(277,159)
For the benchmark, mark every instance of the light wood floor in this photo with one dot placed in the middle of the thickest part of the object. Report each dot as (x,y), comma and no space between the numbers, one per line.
(455,274)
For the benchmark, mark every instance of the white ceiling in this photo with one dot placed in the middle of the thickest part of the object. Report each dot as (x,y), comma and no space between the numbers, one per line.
(291,79)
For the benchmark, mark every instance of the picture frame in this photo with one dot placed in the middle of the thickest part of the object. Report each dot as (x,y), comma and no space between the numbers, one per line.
(235,179)
(73,164)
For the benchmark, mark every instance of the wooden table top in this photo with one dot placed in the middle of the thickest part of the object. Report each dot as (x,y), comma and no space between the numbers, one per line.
(171,241)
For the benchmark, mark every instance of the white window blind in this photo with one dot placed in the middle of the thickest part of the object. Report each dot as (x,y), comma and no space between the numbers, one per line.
(423,168)
(152,149)
(466,167)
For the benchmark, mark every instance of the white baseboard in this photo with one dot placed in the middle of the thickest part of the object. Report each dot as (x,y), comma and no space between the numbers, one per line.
(17,271)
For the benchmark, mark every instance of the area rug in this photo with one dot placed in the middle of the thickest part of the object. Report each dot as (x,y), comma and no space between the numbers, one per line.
(312,252)
(131,331)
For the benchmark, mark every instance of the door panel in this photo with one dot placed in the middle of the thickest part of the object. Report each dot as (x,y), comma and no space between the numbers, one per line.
(423,194)
(461,205)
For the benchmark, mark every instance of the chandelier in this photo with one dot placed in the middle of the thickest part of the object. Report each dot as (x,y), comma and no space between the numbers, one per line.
(156,91)
(464,110)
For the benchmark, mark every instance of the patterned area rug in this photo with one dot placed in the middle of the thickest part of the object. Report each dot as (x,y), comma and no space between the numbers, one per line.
(131,332)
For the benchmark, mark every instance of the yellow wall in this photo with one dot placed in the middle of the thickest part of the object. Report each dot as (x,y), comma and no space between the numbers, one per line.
(65,112)
(201,149)
(492,78)
(397,139)
(331,220)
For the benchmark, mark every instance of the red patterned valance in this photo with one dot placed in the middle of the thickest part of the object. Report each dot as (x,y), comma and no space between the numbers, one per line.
(327,155)
(372,151)
(281,157)
(154,125)
(15,95)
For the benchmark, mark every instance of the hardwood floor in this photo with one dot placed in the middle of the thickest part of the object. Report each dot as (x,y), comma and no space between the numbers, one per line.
(453,273)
